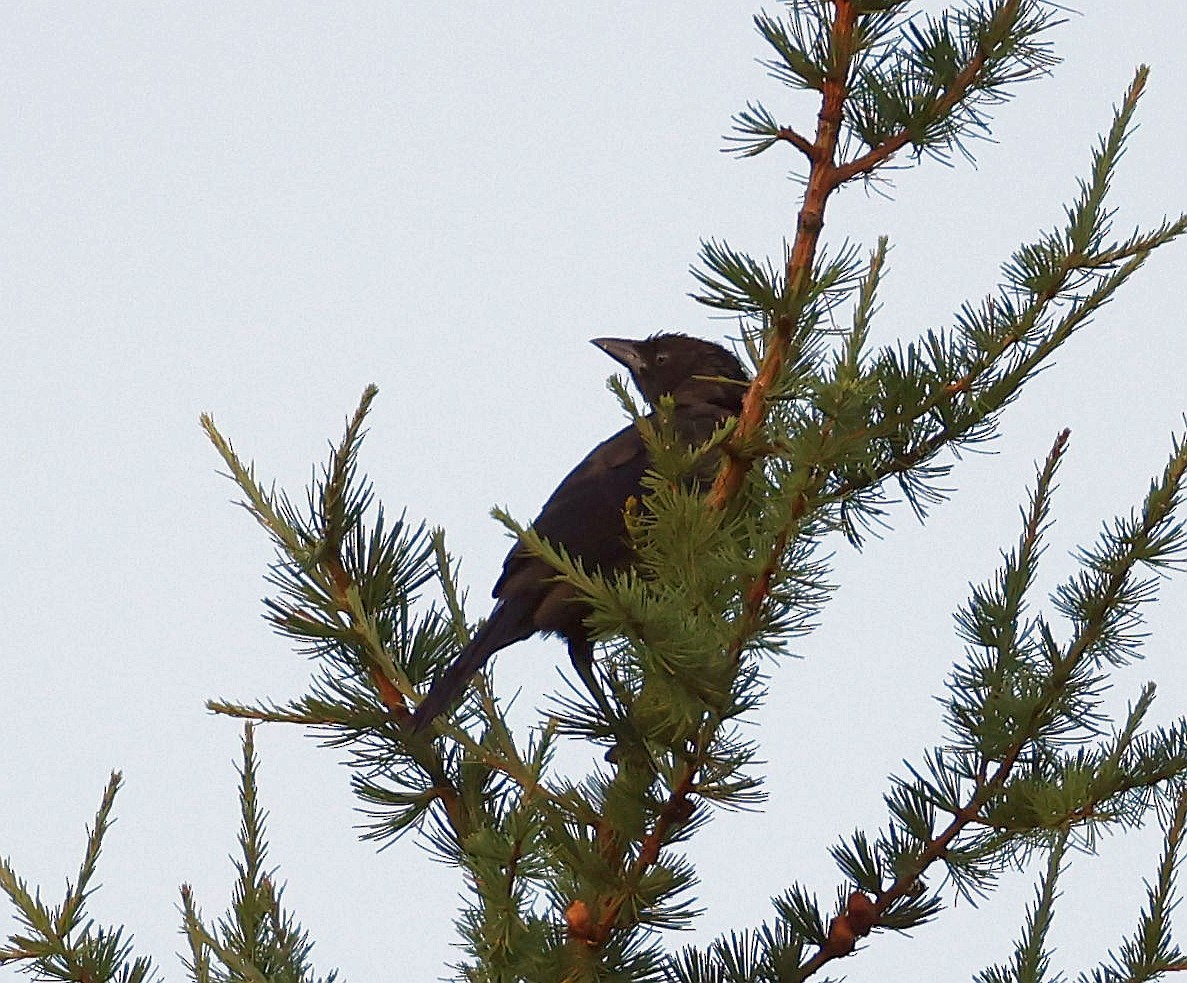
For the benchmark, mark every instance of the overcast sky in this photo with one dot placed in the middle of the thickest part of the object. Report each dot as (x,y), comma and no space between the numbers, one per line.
(258,208)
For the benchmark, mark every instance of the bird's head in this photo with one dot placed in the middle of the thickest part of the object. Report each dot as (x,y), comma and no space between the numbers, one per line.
(688,369)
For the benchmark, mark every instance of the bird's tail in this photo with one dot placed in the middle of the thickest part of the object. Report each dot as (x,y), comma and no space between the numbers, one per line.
(502,628)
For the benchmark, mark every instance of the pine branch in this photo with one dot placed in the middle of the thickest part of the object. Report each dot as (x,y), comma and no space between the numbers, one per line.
(1151,952)
(932,95)
(801,257)
(948,392)
(1032,957)
(1054,698)
(62,942)
(825,62)
(1104,600)
(256,940)
(345,593)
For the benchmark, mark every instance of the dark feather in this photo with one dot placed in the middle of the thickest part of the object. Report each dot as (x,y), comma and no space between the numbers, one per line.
(585,514)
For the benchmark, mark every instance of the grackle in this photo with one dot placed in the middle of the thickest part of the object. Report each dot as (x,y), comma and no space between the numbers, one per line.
(585,514)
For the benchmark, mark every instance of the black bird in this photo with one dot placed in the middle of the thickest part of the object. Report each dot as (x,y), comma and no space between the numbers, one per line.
(585,514)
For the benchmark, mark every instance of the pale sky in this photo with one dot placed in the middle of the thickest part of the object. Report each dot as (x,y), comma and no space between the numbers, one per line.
(255,209)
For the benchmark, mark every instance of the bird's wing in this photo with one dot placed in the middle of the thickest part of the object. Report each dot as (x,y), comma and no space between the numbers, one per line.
(584,514)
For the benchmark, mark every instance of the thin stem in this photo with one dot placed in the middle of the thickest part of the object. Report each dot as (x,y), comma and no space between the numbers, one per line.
(824,177)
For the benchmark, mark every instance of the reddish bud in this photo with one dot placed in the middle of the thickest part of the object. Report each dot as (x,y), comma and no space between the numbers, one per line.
(841,938)
(862,912)
(578,919)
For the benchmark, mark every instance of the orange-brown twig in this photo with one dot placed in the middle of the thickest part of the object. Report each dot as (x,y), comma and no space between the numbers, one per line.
(676,809)
(825,175)
(987,786)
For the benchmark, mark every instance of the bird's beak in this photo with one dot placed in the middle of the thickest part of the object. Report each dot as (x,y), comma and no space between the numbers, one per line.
(622,350)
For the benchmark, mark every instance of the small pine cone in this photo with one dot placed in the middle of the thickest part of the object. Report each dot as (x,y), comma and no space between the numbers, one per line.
(863,915)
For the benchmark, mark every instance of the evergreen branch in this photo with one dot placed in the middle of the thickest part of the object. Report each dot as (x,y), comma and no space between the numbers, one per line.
(964,408)
(1104,599)
(296,713)
(317,552)
(943,106)
(759,589)
(345,594)
(263,505)
(205,949)
(862,913)
(528,819)
(801,143)
(506,757)
(799,58)
(828,69)
(337,514)
(1113,784)
(676,810)
(738,283)
(989,695)
(966,402)
(1154,538)
(820,184)
(257,940)
(519,850)
(928,95)
(449,588)
(62,943)
(1032,957)
(1151,951)
(757,131)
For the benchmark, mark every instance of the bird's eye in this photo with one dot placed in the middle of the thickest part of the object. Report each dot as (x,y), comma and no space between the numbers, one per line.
(660,358)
